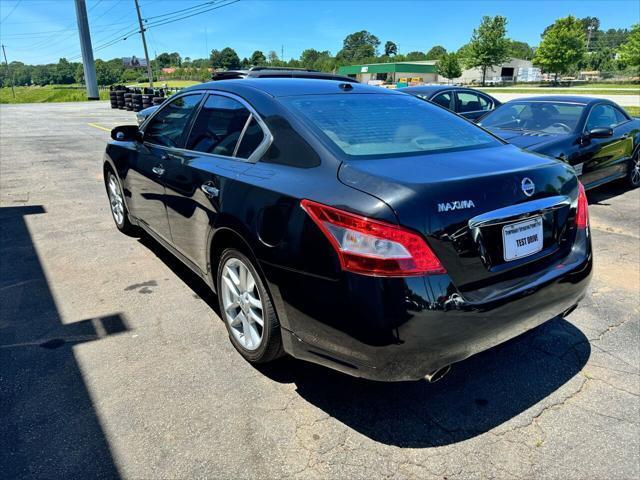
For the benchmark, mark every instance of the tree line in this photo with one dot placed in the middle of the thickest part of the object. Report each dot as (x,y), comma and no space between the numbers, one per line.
(567,46)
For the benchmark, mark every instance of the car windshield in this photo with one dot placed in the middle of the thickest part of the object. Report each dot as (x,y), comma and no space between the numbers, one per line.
(540,116)
(384,125)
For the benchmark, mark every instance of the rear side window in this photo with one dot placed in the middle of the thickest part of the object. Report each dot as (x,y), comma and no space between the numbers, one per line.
(443,99)
(168,125)
(384,125)
(472,102)
(218,127)
(252,138)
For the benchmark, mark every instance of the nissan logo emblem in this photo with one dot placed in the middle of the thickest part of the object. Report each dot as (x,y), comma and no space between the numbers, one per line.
(528,187)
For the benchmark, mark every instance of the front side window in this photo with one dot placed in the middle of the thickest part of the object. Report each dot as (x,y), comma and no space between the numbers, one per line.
(218,127)
(602,116)
(472,102)
(443,99)
(167,127)
(383,125)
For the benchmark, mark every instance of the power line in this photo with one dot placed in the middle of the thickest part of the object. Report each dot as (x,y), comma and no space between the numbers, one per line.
(12,10)
(182,10)
(159,23)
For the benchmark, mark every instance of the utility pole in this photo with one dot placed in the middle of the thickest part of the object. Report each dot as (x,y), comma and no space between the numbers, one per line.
(8,71)
(144,44)
(87,51)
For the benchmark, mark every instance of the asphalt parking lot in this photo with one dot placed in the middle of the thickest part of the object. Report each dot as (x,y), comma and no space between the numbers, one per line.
(114,364)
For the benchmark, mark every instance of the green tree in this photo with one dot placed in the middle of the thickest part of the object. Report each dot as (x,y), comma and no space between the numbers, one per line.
(257,58)
(562,46)
(273,60)
(358,46)
(630,50)
(591,29)
(311,58)
(488,45)
(448,66)
(390,48)
(226,58)
(415,56)
(520,50)
(436,52)
(168,60)
(64,72)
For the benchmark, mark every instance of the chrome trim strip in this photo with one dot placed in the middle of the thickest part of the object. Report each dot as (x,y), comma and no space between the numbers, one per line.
(521,210)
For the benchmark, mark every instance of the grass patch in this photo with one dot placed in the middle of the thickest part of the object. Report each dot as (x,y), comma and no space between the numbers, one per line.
(561,91)
(633,111)
(47,94)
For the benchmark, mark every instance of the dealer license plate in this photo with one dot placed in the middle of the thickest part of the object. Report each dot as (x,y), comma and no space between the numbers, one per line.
(522,239)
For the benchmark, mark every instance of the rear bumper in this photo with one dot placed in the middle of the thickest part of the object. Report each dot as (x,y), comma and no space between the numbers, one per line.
(403,329)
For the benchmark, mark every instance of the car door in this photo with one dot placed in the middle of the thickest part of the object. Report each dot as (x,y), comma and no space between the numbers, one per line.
(603,158)
(222,139)
(155,156)
(472,105)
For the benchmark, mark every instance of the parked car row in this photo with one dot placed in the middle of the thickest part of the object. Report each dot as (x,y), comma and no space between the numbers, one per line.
(359,228)
(595,136)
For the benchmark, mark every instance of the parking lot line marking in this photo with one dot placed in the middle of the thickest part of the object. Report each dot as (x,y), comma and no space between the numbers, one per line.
(94,125)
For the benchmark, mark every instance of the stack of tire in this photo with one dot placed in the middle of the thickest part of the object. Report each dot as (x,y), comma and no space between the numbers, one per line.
(147,97)
(120,91)
(136,101)
(127,102)
(158,97)
(113,98)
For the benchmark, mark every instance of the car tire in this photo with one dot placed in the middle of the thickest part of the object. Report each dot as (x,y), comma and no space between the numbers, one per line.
(244,303)
(633,175)
(117,205)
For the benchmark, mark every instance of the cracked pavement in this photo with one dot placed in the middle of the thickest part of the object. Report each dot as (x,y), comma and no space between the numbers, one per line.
(113,362)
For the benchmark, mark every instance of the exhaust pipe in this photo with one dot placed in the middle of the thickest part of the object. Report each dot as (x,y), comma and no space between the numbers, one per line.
(437,374)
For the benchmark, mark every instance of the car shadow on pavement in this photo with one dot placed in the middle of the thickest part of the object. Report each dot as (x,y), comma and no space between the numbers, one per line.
(479,394)
(600,195)
(48,424)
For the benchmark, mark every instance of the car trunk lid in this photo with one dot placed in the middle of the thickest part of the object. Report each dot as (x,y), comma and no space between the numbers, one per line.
(472,208)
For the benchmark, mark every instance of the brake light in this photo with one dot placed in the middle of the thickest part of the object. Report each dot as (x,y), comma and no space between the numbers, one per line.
(582,210)
(372,247)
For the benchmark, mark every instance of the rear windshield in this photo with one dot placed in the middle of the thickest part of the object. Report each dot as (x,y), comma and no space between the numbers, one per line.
(383,125)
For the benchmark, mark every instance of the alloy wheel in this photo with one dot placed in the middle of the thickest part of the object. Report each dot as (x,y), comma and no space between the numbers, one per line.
(243,309)
(635,170)
(115,199)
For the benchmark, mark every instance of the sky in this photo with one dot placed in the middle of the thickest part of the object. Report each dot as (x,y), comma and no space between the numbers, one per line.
(42,31)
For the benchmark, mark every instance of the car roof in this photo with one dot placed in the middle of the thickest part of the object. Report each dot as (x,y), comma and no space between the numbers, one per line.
(430,88)
(284,87)
(579,99)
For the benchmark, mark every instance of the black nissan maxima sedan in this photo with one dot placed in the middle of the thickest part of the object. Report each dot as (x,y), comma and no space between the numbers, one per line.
(350,226)
(468,102)
(595,136)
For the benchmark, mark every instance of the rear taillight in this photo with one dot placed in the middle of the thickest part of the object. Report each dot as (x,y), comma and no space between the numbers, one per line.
(372,247)
(582,211)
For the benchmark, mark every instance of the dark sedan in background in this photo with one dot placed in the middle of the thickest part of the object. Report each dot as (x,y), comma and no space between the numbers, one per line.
(467,102)
(595,136)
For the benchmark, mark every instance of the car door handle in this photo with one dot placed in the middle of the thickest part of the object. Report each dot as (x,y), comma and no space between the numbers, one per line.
(209,190)
(158,170)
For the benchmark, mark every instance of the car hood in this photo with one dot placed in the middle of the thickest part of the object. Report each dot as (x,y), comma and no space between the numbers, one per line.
(525,138)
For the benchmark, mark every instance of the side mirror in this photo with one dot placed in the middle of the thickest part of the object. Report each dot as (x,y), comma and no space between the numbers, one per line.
(126,133)
(600,132)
